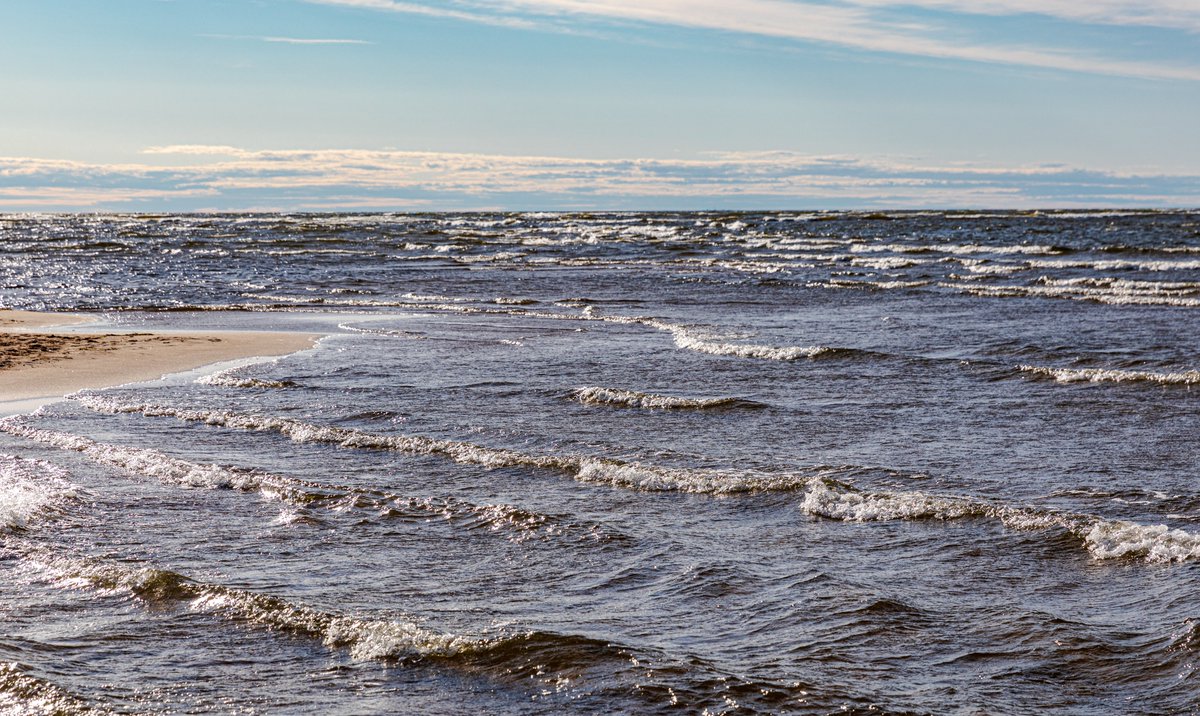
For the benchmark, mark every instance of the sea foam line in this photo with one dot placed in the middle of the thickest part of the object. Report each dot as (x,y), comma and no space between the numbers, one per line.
(290,490)
(1107,375)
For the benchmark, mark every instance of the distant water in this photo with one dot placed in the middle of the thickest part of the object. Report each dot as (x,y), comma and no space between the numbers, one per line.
(616,463)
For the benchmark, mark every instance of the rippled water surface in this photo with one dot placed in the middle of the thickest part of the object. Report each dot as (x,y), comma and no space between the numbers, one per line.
(616,463)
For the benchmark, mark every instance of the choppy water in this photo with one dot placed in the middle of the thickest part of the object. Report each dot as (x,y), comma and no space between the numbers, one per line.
(616,463)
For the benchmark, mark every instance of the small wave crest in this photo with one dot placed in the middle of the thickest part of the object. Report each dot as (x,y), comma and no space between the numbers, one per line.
(1110,293)
(388,639)
(1103,539)
(584,669)
(635,399)
(1106,375)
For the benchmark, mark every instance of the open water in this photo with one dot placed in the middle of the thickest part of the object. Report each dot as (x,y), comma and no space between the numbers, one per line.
(616,464)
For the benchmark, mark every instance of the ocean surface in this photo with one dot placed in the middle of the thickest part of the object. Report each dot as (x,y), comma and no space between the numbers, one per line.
(660,463)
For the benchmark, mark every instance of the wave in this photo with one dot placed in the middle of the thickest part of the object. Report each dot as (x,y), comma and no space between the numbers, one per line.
(1113,296)
(683,336)
(958,249)
(410,335)
(303,493)
(392,639)
(23,693)
(823,494)
(741,350)
(636,399)
(595,670)
(1108,375)
(31,489)
(1116,264)
(601,470)
(1103,539)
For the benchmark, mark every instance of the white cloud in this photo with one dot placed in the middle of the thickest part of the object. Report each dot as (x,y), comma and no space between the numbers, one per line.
(851,24)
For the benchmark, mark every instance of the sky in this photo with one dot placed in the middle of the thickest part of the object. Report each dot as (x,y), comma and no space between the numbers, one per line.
(426,105)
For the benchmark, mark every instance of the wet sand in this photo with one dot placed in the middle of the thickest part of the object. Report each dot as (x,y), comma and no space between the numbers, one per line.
(39,360)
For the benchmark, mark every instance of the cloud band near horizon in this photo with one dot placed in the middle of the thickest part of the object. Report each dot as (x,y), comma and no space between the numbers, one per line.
(224,178)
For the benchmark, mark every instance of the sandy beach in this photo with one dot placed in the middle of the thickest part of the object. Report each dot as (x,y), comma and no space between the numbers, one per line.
(40,360)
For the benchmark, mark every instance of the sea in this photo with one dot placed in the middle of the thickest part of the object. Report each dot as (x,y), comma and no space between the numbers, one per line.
(615,463)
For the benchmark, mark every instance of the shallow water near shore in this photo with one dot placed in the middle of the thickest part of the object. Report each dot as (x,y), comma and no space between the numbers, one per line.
(616,463)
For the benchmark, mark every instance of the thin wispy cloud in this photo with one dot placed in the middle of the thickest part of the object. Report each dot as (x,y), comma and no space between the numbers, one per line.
(1169,14)
(851,23)
(233,178)
(291,40)
(314,41)
(485,17)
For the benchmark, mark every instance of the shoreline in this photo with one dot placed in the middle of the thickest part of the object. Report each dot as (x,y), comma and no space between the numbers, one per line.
(38,362)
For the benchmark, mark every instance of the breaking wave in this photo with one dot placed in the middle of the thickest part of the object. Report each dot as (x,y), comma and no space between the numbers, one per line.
(1110,293)
(601,470)
(1103,539)
(958,249)
(684,337)
(31,489)
(823,494)
(303,493)
(394,639)
(1106,375)
(636,399)
(603,671)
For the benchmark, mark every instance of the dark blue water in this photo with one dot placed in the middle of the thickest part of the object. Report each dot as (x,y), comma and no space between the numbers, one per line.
(616,463)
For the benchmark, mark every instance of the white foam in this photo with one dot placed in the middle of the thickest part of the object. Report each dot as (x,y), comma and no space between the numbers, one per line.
(1115,295)
(742,350)
(1153,543)
(365,638)
(31,489)
(964,249)
(1107,375)
(683,336)
(851,506)
(291,491)
(634,399)
(1103,539)
(229,379)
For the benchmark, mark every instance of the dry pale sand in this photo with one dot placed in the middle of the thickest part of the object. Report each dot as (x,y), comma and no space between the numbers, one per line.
(37,361)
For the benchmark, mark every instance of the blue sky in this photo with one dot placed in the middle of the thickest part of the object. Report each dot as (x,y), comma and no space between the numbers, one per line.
(154,105)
